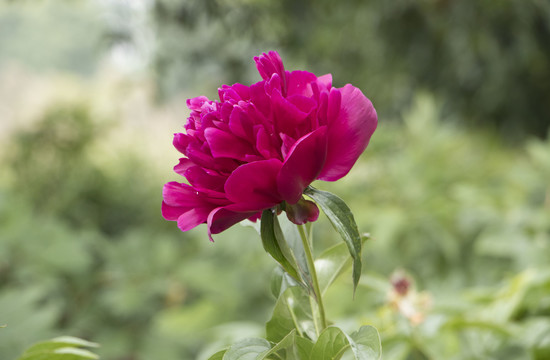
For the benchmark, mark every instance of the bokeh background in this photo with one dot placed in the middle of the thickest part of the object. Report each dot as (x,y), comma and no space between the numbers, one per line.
(454,187)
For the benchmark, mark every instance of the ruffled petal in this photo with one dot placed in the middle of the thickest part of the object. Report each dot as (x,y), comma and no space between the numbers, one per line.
(172,213)
(180,195)
(200,179)
(193,218)
(349,131)
(269,64)
(255,183)
(221,219)
(303,164)
(182,166)
(226,145)
(299,83)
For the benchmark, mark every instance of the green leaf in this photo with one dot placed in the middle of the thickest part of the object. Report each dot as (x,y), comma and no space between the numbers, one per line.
(331,264)
(60,342)
(303,347)
(218,356)
(275,244)
(366,343)
(333,343)
(247,349)
(61,348)
(330,345)
(294,240)
(287,342)
(292,311)
(280,281)
(343,221)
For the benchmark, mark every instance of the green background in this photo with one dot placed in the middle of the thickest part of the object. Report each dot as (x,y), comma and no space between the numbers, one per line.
(454,187)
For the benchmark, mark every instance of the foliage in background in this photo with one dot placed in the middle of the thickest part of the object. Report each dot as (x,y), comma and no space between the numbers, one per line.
(84,251)
(460,211)
(51,36)
(489,62)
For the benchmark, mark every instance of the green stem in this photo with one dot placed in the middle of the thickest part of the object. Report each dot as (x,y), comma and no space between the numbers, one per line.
(311,266)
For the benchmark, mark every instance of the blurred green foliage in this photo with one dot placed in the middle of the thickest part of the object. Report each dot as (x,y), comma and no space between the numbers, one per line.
(487,61)
(51,36)
(84,251)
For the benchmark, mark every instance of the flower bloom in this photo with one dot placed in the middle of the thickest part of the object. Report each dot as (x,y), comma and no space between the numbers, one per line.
(260,146)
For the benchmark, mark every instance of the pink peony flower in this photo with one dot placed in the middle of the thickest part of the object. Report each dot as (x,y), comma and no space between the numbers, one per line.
(260,146)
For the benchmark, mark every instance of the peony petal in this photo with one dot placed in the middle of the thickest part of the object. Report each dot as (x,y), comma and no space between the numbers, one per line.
(183,165)
(241,124)
(201,180)
(221,219)
(180,195)
(299,83)
(325,81)
(192,218)
(186,197)
(264,144)
(287,115)
(259,98)
(196,103)
(269,64)
(181,141)
(349,131)
(255,183)
(234,92)
(303,164)
(225,145)
(198,155)
(172,213)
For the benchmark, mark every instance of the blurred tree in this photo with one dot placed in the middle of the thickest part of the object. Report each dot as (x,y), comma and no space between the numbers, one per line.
(488,61)
(55,173)
(48,35)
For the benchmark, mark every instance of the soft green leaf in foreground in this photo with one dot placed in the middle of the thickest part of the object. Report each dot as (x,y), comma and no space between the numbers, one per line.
(333,343)
(280,281)
(303,347)
(332,263)
(274,243)
(330,345)
(61,348)
(218,356)
(247,349)
(343,221)
(292,311)
(286,343)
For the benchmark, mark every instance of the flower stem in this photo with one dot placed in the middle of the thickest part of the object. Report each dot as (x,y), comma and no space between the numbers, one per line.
(311,266)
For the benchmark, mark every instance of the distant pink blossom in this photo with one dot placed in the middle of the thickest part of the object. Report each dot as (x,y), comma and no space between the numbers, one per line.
(260,146)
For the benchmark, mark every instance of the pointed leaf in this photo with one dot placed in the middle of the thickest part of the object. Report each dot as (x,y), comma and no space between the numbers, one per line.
(60,342)
(293,239)
(331,264)
(65,353)
(61,348)
(272,242)
(366,343)
(343,221)
(302,348)
(247,349)
(285,343)
(280,281)
(218,356)
(333,343)
(292,311)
